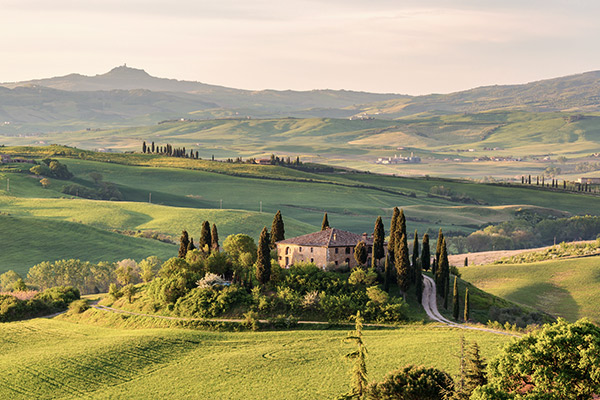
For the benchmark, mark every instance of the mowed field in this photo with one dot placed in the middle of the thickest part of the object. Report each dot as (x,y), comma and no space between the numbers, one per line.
(46,359)
(563,288)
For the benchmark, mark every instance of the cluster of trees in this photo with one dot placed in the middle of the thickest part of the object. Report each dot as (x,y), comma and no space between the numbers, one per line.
(49,301)
(554,183)
(559,361)
(208,242)
(169,150)
(528,231)
(102,191)
(52,169)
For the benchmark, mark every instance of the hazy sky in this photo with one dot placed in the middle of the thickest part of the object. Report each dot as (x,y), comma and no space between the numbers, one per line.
(411,47)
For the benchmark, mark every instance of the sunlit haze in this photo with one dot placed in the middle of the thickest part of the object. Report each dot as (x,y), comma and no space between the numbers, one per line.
(411,47)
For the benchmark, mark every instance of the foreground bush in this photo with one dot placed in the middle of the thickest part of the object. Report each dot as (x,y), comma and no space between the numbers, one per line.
(412,383)
(560,361)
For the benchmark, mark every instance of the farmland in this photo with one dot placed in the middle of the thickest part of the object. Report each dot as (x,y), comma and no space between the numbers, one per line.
(59,358)
(565,288)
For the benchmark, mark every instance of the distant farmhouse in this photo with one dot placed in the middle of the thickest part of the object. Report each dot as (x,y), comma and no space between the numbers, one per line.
(589,181)
(399,160)
(6,159)
(329,246)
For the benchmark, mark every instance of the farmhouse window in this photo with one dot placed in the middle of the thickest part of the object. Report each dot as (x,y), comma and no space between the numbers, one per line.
(347,250)
(287,250)
(369,250)
(312,260)
(311,249)
(336,250)
(336,263)
(300,249)
(348,261)
(287,261)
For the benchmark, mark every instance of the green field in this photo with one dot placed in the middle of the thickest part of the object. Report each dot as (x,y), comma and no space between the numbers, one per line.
(186,192)
(565,288)
(59,359)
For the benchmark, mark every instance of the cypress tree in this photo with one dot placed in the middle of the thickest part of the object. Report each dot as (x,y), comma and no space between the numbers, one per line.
(419,282)
(205,241)
(184,241)
(455,300)
(378,240)
(325,223)
(214,238)
(263,260)
(144,147)
(466,314)
(442,271)
(475,366)
(425,253)
(522,180)
(529,180)
(394,224)
(387,273)
(153,147)
(402,223)
(191,245)
(415,256)
(438,246)
(466,261)
(277,229)
(402,263)
(434,267)
(360,253)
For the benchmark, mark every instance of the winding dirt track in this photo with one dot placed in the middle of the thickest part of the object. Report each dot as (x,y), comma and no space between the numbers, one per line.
(429,302)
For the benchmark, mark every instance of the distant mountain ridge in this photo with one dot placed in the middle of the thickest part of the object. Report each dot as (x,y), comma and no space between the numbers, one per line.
(129,96)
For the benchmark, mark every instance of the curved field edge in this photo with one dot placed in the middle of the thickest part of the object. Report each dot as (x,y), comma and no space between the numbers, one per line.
(51,358)
(565,288)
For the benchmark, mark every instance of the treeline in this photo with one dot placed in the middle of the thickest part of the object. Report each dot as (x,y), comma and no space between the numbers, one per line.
(52,169)
(169,150)
(541,181)
(49,301)
(523,232)
(102,190)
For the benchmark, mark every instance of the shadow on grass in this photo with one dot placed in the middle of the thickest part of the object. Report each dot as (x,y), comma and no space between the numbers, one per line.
(549,298)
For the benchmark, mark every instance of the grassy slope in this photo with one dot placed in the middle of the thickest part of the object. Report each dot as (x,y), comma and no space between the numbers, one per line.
(50,358)
(566,288)
(28,241)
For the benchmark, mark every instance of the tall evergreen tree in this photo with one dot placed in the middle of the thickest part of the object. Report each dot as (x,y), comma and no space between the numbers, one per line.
(277,229)
(214,238)
(415,255)
(443,270)
(438,246)
(378,240)
(184,241)
(467,311)
(359,369)
(419,282)
(360,253)
(263,259)
(402,264)
(387,272)
(402,223)
(455,300)
(325,223)
(144,147)
(205,242)
(425,253)
(475,367)
(191,245)
(153,147)
(393,229)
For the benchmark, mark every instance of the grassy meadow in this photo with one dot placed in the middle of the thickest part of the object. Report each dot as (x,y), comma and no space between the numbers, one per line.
(61,359)
(565,288)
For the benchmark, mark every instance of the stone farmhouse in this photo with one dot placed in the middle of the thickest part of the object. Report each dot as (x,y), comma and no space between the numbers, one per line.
(330,246)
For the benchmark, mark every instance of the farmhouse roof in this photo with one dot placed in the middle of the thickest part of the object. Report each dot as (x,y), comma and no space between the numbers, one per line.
(330,237)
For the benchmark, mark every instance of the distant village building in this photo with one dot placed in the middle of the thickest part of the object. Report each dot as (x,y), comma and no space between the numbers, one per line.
(4,158)
(399,160)
(361,117)
(589,181)
(263,161)
(324,247)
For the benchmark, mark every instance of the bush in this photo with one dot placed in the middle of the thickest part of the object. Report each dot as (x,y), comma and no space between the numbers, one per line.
(79,306)
(212,302)
(412,383)
(251,321)
(47,302)
(283,321)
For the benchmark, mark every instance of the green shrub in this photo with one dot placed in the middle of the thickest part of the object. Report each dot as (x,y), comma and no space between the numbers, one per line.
(79,306)
(283,321)
(412,383)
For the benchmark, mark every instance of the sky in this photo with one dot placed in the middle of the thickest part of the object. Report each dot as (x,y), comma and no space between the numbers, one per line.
(387,46)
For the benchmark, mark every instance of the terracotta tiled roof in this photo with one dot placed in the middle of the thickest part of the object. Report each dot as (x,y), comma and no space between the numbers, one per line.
(330,237)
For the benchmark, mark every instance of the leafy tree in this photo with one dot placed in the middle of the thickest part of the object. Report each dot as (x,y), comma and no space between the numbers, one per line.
(263,258)
(359,368)
(325,223)
(205,242)
(8,280)
(149,268)
(467,311)
(455,300)
(402,264)
(127,271)
(128,292)
(277,229)
(184,241)
(45,182)
(412,383)
(360,253)
(425,253)
(559,361)
(378,240)
(214,237)
(236,245)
